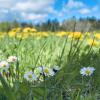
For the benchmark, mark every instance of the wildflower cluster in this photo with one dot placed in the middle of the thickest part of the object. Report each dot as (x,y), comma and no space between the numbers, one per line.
(92,39)
(41,71)
(4,65)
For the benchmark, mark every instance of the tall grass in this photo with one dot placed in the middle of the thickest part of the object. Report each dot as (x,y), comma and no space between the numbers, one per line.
(67,84)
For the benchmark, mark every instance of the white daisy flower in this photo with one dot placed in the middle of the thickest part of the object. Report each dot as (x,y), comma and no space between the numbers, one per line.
(46,71)
(30,76)
(4,65)
(12,59)
(87,71)
(56,68)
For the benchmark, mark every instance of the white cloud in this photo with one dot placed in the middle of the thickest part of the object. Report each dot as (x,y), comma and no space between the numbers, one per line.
(41,9)
(74,4)
(33,5)
(78,8)
(84,11)
(72,7)
(32,16)
(35,9)
(6,3)
(4,11)
(95,8)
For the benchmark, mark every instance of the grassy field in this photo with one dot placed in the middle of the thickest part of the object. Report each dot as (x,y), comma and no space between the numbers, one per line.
(49,66)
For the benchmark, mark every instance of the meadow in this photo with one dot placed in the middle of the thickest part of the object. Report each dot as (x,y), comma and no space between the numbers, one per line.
(49,65)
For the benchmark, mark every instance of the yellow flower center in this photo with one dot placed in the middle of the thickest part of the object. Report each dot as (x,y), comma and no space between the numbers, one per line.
(46,70)
(29,76)
(88,72)
(4,65)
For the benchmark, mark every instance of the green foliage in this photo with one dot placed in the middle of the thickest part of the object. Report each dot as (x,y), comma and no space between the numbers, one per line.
(7,89)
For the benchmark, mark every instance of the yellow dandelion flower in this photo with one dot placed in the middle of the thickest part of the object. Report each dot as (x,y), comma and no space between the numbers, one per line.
(16,29)
(33,30)
(97,36)
(61,34)
(28,29)
(76,35)
(92,42)
(12,34)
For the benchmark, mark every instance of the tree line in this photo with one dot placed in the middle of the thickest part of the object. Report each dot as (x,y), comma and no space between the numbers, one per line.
(72,24)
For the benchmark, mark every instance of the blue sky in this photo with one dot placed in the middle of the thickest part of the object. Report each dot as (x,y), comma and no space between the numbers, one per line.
(41,10)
